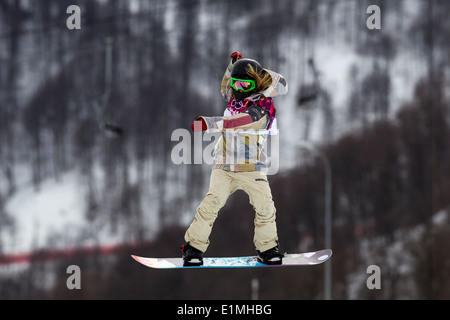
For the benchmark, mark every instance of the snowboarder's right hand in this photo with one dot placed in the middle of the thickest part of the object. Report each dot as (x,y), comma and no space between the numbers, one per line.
(199,125)
(236,56)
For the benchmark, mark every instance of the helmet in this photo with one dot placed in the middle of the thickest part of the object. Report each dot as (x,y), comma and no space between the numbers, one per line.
(242,84)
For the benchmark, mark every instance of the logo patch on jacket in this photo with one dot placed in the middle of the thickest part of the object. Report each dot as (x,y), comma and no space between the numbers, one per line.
(255,112)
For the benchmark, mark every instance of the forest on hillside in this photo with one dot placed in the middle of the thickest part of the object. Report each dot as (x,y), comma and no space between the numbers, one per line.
(137,69)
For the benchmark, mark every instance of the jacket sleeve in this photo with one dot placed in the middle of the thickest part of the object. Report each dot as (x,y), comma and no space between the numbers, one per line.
(253,118)
(226,78)
(279,85)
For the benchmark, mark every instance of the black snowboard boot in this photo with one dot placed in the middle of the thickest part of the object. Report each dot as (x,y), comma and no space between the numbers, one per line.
(191,256)
(271,256)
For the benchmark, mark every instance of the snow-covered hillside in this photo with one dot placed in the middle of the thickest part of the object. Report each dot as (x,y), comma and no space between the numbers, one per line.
(64,183)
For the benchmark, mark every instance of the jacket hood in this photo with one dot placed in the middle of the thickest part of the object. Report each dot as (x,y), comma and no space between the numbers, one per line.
(279,86)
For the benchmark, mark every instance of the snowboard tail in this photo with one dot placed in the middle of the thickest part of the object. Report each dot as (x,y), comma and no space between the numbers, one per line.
(297,259)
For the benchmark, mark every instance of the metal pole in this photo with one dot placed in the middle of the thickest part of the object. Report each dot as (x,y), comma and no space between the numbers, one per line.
(108,65)
(100,105)
(328,215)
(328,222)
(255,288)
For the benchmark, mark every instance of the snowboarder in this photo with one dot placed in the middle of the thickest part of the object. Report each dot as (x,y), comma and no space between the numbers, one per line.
(239,158)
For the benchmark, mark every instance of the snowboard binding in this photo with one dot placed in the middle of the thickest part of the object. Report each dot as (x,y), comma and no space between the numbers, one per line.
(192,257)
(271,257)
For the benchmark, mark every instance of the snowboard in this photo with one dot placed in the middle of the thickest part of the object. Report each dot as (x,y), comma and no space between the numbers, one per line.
(296,259)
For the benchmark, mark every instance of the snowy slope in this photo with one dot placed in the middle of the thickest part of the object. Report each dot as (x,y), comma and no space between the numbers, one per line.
(395,260)
(55,214)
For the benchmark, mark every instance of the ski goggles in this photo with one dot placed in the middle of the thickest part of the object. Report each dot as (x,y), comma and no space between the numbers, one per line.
(243,85)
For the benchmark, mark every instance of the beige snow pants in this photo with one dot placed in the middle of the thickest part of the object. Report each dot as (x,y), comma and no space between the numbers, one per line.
(222,185)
